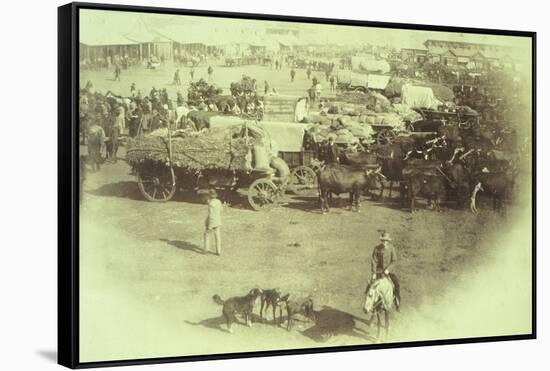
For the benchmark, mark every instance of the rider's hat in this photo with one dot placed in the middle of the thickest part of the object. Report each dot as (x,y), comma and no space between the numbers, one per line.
(385,237)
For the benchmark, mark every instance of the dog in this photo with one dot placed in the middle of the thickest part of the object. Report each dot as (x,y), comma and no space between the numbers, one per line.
(238,304)
(302,306)
(273,298)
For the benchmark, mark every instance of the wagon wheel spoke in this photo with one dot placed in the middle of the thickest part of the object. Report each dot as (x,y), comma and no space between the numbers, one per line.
(157,187)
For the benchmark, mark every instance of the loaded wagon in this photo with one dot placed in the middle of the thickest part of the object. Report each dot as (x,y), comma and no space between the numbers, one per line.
(227,159)
(362,82)
(293,145)
(464,117)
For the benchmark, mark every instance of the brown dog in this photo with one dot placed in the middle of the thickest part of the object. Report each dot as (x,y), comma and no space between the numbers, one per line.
(238,304)
(302,306)
(273,298)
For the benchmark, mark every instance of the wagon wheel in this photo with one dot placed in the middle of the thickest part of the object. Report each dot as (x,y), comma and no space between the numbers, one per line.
(262,195)
(302,179)
(385,136)
(159,187)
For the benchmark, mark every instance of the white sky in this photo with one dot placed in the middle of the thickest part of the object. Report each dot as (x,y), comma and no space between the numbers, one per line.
(124,22)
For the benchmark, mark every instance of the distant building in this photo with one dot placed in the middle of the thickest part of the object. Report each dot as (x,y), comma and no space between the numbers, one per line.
(457,53)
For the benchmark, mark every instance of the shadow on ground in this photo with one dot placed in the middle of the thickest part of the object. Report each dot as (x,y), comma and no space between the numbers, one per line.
(218,323)
(124,189)
(331,322)
(184,245)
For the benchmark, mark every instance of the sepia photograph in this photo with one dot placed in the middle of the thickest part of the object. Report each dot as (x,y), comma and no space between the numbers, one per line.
(252,185)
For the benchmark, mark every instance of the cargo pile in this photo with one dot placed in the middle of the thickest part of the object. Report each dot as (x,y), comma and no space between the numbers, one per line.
(211,149)
(201,91)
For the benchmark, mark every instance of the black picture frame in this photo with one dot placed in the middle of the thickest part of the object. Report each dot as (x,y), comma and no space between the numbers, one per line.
(68,185)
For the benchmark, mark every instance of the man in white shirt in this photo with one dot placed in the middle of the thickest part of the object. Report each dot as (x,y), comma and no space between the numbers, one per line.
(213,222)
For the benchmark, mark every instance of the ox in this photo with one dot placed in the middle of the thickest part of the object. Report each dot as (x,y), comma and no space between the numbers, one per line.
(498,185)
(337,179)
(432,187)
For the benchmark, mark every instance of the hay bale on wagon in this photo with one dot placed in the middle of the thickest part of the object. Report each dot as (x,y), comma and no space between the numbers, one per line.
(212,149)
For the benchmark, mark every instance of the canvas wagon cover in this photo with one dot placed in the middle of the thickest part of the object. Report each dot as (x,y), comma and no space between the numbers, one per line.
(373,81)
(418,97)
(288,136)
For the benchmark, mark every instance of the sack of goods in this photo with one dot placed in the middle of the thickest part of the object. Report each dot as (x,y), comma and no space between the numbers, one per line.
(260,158)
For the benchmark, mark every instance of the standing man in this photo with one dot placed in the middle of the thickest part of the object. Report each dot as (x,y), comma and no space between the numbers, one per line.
(117,72)
(118,127)
(318,91)
(177,80)
(383,260)
(292,74)
(332,83)
(332,152)
(308,72)
(96,139)
(192,73)
(213,222)
(210,71)
(266,87)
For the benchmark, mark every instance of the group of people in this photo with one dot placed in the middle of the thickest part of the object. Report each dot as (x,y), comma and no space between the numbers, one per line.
(106,116)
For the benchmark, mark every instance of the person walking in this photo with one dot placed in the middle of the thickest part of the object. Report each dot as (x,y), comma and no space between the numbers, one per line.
(383,260)
(213,222)
(292,74)
(266,87)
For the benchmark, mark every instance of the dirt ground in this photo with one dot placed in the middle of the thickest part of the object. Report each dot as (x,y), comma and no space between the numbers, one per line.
(146,285)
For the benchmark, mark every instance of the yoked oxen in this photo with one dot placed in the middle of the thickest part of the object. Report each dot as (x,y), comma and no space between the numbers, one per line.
(337,179)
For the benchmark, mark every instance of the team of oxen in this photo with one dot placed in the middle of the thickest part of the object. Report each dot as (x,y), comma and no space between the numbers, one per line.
(455,165)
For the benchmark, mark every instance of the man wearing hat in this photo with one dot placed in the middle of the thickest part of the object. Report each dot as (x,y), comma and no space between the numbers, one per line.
(382,262)
(332,152)
(213,221)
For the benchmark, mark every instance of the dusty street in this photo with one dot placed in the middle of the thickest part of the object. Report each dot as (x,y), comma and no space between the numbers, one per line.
(137,254)
(147,286)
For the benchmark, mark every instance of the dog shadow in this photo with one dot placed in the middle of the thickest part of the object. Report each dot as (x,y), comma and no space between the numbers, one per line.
(219,323)
(329,322)
(184,245)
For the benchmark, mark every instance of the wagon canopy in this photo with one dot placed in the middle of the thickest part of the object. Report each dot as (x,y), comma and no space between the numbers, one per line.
(371,80)
(418,97)
(285,136)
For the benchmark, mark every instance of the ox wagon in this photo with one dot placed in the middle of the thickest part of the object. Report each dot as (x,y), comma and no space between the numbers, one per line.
(162,170)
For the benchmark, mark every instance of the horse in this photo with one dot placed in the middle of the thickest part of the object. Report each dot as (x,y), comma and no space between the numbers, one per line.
(380,298)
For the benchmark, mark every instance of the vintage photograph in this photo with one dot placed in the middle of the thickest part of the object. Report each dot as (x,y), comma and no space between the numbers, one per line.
(259,185)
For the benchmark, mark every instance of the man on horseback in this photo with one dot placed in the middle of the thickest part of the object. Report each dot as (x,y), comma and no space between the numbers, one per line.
(382,261)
